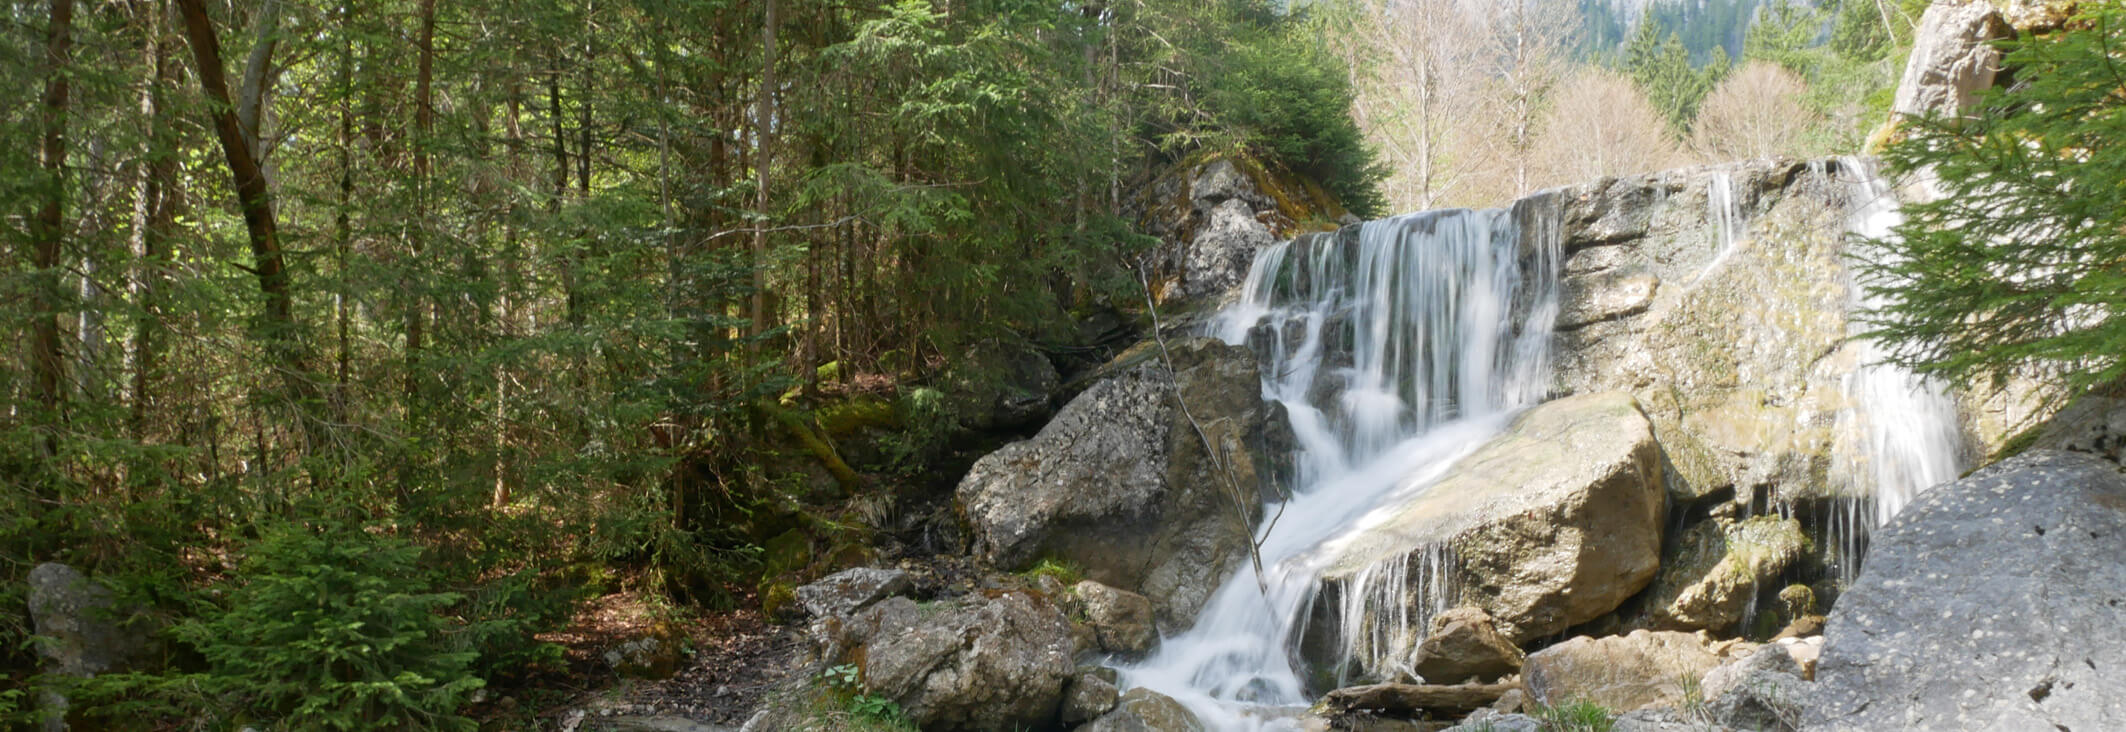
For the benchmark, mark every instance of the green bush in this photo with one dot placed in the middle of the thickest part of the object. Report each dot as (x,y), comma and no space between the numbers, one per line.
(336,630)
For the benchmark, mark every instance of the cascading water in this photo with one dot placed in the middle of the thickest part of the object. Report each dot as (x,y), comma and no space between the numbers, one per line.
(1725,213)
(1905,426)
(1395,353)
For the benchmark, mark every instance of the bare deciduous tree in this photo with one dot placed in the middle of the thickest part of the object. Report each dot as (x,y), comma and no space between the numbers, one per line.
(1598,124)
(1756,113)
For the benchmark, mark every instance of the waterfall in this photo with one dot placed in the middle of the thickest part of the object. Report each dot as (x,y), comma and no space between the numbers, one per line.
(1396,348)
(1904,427)
(1725,213)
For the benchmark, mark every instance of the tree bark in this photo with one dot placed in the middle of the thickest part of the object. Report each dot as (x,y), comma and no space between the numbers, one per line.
(48,228)
(424,124)
(280,333)
(764,123)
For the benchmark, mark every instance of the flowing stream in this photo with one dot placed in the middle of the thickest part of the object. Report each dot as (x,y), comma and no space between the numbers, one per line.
(1395,353)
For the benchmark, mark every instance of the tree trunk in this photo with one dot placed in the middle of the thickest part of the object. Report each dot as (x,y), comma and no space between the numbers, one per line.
(764,124)
(424,124)
(48,228)
(279,331)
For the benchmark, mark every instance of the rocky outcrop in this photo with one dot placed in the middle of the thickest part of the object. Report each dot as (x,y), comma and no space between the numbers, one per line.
(974,663)
(1994,602)
(1121,484)
(1760,690)
(1736,357)
(1952,58)
(1620,673)
(1466,644)
(1121,620)
(1212,214)
(2092,424)
(1709,582)
(1551,524)
(851,590)
(1144,710)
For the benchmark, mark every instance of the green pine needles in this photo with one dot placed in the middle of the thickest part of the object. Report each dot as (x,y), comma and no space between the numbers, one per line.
(2020,267)
(337,630)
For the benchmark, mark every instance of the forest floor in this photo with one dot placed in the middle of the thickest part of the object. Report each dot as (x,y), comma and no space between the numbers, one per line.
(732,659)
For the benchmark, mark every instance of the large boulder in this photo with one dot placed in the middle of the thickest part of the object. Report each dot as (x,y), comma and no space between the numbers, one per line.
(1952,58)
(1994,602)
(87,631)
(1620,673)
(1551,524)
(1144,710)
(1121,484)
(974,663)
(1465,643)
(1001,385)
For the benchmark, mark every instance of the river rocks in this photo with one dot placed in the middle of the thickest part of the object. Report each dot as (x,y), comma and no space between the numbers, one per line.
(1993,602)
(1952,58)
(1735,349)
(1709,582)
(1763,690)
(1466,644)
(1120,483)
(851,590)
(974,663)
(87,632)
(1144,710)
(1620,673)
(1089,696)
(1121,620)
(1551,524)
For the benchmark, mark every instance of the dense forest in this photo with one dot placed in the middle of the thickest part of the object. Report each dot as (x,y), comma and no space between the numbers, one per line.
(356,345)
(459,311)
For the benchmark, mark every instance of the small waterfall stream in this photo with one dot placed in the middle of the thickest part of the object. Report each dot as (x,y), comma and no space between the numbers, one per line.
(1906,426)
(1395,353)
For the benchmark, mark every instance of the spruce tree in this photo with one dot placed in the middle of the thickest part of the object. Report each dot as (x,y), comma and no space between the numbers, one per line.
(2021,262)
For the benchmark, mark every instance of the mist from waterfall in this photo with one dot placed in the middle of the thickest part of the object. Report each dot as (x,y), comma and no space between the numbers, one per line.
(1395,353)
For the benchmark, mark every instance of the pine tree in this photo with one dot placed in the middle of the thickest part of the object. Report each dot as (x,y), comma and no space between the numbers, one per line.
(2019,264)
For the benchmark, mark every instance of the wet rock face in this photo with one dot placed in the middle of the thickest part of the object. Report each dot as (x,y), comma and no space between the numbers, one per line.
(1121,484)
(1553,523)
(1620,673)
(1952,58)
(1736,357)
(1719,568)
(977,663)
(1994,602)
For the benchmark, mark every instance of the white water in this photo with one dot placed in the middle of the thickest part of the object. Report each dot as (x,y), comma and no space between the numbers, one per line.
(1394,357)
(1729,221)
(1906,425)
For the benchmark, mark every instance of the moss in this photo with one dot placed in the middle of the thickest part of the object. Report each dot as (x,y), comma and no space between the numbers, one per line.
(843,418)
(1059,570)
